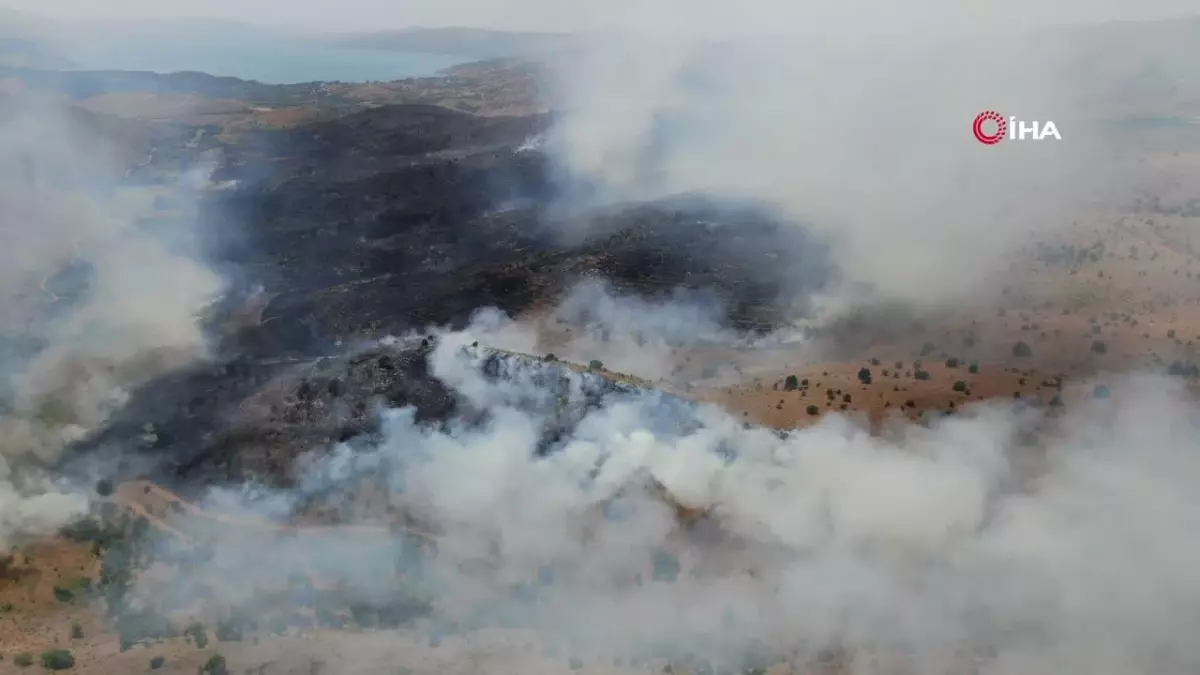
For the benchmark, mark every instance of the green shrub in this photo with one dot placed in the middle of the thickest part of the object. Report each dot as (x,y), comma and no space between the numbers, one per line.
(63,594)
(198,635)
(215,665)
(57,659)
(813,410)
(24,659)
(157,662)
(960,386)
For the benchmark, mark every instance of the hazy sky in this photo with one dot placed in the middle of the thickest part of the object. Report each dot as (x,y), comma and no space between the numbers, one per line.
(701,16)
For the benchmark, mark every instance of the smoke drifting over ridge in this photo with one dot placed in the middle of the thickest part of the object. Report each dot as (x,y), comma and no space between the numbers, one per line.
(860,132)
(94,301)
(1072,557)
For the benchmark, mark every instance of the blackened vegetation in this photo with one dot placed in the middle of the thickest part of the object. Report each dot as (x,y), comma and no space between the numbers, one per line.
(407,216)
(251,418)
(400,218)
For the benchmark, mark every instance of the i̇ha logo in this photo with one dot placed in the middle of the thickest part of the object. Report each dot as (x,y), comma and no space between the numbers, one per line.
(990,128)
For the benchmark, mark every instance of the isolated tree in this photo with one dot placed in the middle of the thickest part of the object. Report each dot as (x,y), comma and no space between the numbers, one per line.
(791,383)
(23,659)
(973,369)
(595,364)
(960,386)
(864,374)
(951,362)
(1022,350)
(813,410)
(157,662)
(1099,347)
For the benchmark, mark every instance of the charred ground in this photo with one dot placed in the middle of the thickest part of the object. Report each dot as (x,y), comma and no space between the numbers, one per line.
(392,221)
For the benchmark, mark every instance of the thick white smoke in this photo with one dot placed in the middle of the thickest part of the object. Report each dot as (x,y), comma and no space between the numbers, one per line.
(865,137)
(1074,554)
(97,295)
(627,333)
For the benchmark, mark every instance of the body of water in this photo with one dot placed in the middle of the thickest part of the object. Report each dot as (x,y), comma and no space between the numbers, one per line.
(269,60)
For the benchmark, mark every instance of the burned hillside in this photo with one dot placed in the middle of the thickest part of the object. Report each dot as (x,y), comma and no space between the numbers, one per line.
(395,221)
(409,216)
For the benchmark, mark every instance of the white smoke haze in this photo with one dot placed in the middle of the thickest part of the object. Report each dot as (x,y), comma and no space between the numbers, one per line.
(862,135)
(1076,555)
(627,333)
(93,302)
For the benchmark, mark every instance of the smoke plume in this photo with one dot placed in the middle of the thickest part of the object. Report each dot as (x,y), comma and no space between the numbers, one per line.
(99,292)
(859,132)
(1068,553)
